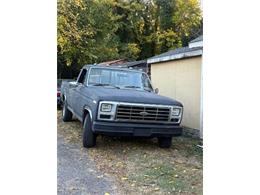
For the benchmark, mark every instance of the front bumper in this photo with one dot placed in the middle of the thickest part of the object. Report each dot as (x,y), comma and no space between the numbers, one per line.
(136,129)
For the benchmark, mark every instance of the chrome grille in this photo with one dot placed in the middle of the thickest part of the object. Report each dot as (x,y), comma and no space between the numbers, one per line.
(140,113)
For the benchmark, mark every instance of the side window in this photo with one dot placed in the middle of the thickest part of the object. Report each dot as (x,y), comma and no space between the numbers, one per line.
(82,76)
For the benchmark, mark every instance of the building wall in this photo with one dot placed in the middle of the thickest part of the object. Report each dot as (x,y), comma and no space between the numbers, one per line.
(181,80)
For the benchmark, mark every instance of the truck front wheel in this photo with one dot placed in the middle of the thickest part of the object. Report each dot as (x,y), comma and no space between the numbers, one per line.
(165,142)
(66,113)
(89,138)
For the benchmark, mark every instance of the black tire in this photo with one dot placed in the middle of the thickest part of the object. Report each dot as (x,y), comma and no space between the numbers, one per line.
(165,142)
(89,138)
(59,107)
(66,113)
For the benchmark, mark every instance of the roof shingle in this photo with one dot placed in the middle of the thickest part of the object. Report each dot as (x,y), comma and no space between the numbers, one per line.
(176,51)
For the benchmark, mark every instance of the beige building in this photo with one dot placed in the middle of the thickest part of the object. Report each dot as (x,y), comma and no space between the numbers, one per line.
(178,74)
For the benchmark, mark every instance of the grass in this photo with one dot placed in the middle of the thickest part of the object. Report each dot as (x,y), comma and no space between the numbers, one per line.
(168,179)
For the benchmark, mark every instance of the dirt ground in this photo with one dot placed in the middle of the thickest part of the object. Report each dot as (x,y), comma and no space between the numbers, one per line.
(135,166)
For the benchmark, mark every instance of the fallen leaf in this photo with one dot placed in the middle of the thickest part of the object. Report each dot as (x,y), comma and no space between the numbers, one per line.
(124,178)
(72,188)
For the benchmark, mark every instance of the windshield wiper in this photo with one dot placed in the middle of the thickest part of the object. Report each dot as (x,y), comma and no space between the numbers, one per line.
(132,86)
(137,87)
(105,84)
(100,84)
(147,89)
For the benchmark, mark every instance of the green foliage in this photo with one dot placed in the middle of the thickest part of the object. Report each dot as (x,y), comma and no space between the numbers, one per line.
(85,32)
(92,31)
(187,18)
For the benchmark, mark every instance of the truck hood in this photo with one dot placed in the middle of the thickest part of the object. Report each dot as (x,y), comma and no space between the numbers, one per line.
(130,95)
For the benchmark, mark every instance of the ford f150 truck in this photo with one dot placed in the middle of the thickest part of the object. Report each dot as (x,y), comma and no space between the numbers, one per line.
(120,102)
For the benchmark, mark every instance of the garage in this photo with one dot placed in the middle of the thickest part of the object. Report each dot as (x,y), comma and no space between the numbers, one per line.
(178,75)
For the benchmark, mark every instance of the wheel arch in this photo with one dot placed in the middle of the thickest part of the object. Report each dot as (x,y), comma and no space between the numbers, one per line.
(63,97)
(86,111)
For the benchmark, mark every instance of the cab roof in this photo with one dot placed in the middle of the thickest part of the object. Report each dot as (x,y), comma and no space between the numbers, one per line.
(110,67)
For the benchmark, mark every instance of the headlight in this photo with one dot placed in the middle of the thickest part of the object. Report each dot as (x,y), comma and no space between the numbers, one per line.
(107,110)
(176,111)
(106,107)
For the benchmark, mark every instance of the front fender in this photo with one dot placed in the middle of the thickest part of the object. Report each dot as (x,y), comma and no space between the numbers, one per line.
(86,108)
(92,110)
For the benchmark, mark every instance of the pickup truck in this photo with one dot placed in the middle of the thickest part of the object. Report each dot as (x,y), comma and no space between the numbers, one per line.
(120,102)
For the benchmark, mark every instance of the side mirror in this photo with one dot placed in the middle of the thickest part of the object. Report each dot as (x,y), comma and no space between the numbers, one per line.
(156,90)
(73,84)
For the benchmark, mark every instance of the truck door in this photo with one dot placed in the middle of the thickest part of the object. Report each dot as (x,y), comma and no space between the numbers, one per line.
(69,93)
(78,95)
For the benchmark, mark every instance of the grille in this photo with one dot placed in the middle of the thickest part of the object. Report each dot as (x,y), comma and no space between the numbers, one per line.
(142,113)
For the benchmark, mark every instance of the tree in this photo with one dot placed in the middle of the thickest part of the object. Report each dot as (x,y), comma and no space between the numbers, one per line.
(92,31)
(85,32)
(187,19)
(175,22)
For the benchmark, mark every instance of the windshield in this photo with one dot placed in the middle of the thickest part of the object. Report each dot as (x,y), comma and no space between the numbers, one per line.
(119,78)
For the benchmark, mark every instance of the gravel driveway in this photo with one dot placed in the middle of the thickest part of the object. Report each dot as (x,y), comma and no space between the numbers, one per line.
(77,174)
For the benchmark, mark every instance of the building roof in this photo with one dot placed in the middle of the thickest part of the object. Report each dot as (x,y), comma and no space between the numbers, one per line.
(119,61)
(130,64)
(199,38)
(183,52)
(194,49)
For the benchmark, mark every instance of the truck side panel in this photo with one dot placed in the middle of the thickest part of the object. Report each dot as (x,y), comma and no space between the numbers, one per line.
(83,100)
(67,91)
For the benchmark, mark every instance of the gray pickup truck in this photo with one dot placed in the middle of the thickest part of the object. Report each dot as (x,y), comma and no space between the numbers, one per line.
(120,102)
